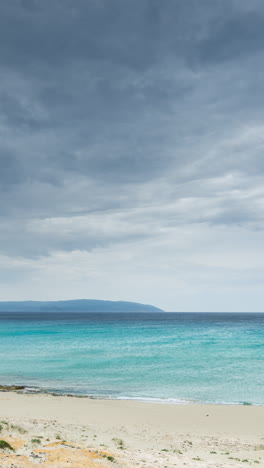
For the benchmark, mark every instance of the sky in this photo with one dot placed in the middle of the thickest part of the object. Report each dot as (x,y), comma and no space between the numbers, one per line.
(131,152)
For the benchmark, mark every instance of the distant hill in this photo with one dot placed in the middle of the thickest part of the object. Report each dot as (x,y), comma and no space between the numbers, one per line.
(79,305)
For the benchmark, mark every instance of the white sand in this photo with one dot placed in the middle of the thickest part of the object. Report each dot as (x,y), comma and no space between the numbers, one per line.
(153,435)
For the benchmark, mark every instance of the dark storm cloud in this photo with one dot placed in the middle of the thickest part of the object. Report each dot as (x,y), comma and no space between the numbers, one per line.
(134,34)
(128,109)
(240,35)
(11,171)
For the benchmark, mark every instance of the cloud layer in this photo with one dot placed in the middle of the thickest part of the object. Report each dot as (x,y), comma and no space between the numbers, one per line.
(131,151)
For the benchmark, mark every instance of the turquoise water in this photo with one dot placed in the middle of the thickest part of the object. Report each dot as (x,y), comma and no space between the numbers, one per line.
(175,357)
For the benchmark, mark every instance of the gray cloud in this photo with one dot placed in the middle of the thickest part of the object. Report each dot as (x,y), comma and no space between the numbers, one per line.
(240,35)
(123,123)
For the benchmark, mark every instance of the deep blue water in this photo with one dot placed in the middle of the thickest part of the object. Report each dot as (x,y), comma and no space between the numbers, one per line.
(178,356)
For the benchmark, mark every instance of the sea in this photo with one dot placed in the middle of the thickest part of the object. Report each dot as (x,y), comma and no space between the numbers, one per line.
(164,357)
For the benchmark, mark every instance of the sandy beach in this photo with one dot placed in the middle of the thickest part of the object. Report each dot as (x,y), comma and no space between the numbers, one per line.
(60,431)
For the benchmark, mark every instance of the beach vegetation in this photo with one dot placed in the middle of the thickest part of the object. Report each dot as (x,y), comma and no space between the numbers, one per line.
(177,451)
(213,453)
(197,459)
(189,442)
(58,436)
(17,428)
(245,460)
(164,450)
(256,461)
(4,445)
(1,427)
(119,443)
(36,441)
(110,458)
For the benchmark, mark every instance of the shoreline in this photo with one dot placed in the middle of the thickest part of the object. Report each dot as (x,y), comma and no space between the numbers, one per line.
(34,390)
(132,433)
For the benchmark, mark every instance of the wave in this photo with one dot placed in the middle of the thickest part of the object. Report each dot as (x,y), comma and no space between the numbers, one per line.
(144,399)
